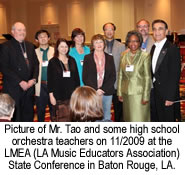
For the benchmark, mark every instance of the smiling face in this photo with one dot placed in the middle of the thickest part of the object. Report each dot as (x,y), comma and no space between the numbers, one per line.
(143,28)
(43,38)
(109,31)
(79,39)
(98,45)
(19,31)
(63,48)
(133,43)
(159,31)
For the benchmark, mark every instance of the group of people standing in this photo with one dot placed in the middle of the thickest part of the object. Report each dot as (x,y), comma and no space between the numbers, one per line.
(149,74)
(120,75)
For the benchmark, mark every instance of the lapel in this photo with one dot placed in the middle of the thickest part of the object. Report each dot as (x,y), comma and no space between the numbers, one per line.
(161,55)
(29,53)
(50,53)
(114,47)
(105,49)
(93,65)
(19,55)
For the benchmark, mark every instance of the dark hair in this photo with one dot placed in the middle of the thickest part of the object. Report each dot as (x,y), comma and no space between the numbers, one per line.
(56,54)
(136,33)
(143,20)
(109,23)
(75,32)
(97,37)
(160,21)
(41,31)
(85,105)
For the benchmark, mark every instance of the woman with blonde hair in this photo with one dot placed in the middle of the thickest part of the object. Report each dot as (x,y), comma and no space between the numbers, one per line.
(85,105)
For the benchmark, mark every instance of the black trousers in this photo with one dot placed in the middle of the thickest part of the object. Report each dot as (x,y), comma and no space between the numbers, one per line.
(42,101)
(118,108)
(160,112)
(24,106)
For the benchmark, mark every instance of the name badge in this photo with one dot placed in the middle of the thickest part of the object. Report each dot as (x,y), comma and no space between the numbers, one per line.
(81,62)
(44,63)
(129,68)
(66,74)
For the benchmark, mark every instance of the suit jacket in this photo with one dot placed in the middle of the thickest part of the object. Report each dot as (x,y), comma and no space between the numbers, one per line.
(167,72)
(117,49)
(14,67)
(149,44)
(90,73)
(39,53)
(138,81)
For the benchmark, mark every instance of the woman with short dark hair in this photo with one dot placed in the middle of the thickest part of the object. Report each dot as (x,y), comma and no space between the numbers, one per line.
(134,80)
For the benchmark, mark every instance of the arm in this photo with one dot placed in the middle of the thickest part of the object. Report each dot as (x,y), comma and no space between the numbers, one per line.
(174,65)
(35,66)
(5,68)
(52,99)
(50,76)
(119,94)
(76,74)
(147,79)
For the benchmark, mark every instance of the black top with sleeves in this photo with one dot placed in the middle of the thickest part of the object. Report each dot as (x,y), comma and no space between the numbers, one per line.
(90,73)
(62,87)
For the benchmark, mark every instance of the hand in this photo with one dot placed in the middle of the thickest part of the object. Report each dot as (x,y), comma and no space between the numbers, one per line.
(144,102)
(120,98)
(168,103)
(100,92)
(52,99)
(24,85)
(31,82)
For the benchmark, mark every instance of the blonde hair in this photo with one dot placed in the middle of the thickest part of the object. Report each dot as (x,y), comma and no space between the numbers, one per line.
(86,105)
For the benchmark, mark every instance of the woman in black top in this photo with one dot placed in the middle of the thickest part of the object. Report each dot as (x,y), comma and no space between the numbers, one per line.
(63,75)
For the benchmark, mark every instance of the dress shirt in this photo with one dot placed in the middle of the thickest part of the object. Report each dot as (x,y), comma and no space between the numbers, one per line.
(109,46)
(158,47)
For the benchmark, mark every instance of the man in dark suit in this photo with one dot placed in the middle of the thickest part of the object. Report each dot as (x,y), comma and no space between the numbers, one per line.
(166,74)
(20,67)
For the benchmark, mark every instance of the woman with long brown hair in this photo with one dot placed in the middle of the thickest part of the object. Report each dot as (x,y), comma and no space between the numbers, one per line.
(62,75)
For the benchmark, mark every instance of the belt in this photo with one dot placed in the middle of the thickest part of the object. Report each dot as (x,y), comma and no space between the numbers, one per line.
(43,82)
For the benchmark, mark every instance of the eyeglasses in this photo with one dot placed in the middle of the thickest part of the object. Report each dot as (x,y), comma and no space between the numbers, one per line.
(109,30)
(133,41)
(144,26)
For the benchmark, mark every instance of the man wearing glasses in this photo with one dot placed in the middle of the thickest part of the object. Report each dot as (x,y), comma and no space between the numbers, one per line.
(143,28)
(114,48)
